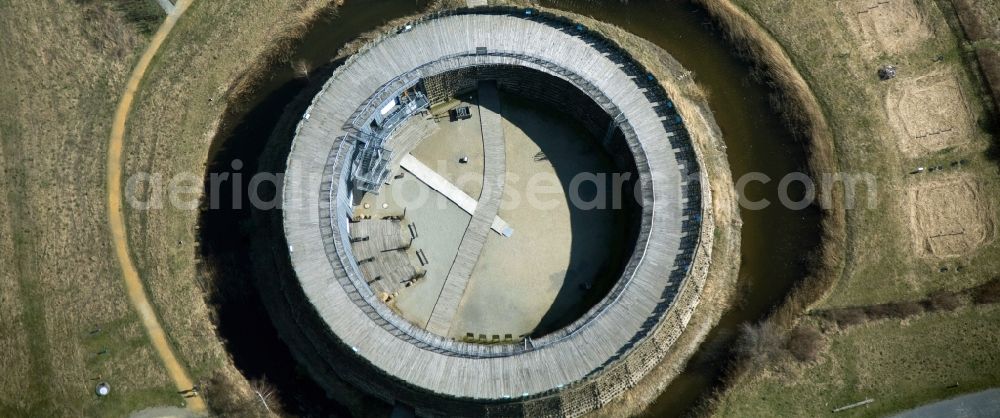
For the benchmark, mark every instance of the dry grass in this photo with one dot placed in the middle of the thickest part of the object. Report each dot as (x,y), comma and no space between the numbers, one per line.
(950,218)
(929,114)
(892,26)
(980,18)
(63,68)
(820,43)
(880,266)
(208,66)
(885,360)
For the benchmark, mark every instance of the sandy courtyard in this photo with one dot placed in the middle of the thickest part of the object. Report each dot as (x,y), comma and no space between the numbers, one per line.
(560,260)
(538,279)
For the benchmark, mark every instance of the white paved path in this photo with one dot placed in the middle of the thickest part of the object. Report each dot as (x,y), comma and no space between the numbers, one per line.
(985,404)
(167,6)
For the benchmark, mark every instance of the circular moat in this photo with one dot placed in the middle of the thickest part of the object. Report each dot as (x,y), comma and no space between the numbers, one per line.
(491,211)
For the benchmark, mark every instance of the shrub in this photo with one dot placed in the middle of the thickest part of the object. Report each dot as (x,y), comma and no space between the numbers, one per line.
(894,310)
(758,343)
(226,399)
(845,317)
(988,292)
(805,343)
(942,300)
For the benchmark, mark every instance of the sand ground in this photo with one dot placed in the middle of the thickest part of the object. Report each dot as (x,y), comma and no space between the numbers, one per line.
(439,223)
(537,279)
(452,141)
(541,272)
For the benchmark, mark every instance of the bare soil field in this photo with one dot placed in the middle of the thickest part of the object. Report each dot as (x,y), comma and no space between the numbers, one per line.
(885,26)
(929,113)
(950,218)
(449,143)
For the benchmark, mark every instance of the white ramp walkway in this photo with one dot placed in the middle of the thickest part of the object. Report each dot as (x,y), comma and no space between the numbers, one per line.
(440,184)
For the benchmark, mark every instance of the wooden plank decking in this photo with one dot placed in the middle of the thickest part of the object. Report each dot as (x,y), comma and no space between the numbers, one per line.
(494,175)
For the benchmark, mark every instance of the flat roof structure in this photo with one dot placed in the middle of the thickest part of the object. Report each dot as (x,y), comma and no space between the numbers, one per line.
(405,359)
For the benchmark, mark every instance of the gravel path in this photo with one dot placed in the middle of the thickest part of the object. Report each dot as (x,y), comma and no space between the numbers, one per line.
(985,404)
(116,219)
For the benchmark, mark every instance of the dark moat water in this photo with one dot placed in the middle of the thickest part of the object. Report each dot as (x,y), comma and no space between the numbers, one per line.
(776,241)
(227,233)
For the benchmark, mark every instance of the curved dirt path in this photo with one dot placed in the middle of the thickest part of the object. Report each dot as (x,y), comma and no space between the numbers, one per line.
(116,220)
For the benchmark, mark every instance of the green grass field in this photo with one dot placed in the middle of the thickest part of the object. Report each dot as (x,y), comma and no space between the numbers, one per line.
(900,364)
(64,68)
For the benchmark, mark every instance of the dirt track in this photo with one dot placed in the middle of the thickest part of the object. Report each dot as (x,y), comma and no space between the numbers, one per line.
(116,221)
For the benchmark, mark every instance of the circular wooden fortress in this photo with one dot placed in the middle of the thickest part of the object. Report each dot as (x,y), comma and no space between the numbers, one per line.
(356,135)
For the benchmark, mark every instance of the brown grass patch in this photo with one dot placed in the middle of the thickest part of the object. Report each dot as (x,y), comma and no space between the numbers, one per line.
(980,18)
(63,70)
(885,26)
(929,113)
(949,218)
